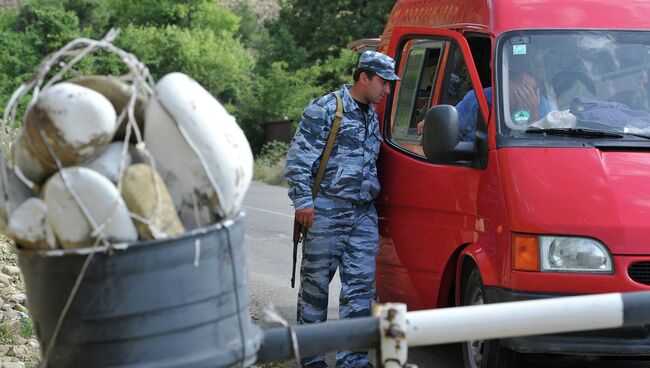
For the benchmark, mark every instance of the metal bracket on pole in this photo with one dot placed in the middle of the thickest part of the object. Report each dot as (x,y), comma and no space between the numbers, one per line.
(393,351)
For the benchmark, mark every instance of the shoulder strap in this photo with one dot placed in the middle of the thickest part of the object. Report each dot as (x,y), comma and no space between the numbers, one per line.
(328,146)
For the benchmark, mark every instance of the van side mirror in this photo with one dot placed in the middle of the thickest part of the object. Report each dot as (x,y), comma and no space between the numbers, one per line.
(441,138)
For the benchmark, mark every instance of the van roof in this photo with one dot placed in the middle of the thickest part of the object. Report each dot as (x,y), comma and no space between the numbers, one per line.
(498,16)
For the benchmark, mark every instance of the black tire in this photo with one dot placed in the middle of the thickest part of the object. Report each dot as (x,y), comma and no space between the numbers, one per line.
(481,353)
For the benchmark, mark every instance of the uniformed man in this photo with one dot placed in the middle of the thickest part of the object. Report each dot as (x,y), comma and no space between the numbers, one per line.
(342,220)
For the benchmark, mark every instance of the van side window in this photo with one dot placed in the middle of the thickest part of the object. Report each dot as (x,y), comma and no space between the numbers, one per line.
(421,63)
(458,90)
(481,48)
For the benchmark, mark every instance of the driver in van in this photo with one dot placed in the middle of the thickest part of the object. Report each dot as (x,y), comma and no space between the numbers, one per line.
(526,102)
(569,84)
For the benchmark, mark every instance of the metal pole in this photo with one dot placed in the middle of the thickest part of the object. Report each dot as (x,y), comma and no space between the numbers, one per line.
(349,334)
(449,325)
(524,318)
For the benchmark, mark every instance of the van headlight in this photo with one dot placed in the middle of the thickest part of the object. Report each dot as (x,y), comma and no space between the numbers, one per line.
(574,254)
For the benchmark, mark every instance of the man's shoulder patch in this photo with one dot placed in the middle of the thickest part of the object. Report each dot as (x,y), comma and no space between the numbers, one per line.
(322,107)
(326,100)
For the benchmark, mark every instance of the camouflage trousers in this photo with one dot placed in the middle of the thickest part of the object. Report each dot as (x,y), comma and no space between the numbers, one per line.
(344,236)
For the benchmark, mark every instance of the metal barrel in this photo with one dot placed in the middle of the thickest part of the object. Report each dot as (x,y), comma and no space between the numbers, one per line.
(180,302)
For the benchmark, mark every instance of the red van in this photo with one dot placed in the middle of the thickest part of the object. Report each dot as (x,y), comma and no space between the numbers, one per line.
(529,175)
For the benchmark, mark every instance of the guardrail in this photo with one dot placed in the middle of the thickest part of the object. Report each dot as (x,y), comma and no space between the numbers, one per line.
(393,330)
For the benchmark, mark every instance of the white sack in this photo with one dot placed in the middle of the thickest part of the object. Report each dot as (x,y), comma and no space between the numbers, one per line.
(99,196)
(29,227)
(17,192)
(119,94)
(200,151)
(75,121)
(108,162)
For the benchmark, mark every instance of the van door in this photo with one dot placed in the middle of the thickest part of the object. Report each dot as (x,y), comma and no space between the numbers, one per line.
(427,211)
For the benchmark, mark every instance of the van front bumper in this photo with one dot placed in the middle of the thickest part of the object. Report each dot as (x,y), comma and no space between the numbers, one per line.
(626,341)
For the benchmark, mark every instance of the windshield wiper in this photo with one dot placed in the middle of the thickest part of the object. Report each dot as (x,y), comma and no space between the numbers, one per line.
(639,135)
(575,132)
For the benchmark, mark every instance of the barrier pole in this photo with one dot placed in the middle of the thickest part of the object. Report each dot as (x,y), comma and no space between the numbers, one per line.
(527,318)
(319,338)
(457,324)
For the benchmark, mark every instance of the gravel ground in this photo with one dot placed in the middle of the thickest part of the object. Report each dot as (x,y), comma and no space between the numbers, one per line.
(18,345)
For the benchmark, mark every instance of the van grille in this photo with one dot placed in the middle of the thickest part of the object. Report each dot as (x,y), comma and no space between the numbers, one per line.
(640,272)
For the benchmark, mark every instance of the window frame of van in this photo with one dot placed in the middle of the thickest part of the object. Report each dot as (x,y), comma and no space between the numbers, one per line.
(402,35)
(396,95)
(503,141)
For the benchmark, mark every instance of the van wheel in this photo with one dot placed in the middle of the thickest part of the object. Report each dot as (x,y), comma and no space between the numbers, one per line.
(481,353)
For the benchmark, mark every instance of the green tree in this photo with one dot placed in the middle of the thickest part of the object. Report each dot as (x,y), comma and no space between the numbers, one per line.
(213,16)
(26,37)
(278,94)
(17,62)
(251,33)
(307,31)
(182,13)
(218,63)
(153,13)
(197,37)
(48,28)
(336,71)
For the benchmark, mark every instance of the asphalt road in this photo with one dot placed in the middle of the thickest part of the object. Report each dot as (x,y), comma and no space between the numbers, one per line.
(269,222)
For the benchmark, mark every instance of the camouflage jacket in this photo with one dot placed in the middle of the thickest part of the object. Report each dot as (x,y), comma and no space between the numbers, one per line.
(351,172)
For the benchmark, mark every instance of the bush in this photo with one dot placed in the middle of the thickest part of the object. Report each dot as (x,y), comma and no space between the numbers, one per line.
(276,94)
(333,72)
(269,164)
(26,327)
(50,28)
(220,64)
(307,31)
(279,93)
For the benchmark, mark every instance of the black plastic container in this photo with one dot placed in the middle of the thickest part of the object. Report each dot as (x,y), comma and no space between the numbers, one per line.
(181,302)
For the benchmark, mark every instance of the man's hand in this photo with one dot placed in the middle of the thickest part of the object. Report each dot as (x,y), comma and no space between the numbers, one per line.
(420,127)
(305,217)
(528,98)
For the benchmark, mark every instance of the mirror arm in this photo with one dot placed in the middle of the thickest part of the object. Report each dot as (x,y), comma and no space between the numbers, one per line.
(465,148)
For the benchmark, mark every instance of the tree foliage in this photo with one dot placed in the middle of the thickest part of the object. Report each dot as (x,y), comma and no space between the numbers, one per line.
(219,63)
(314,30)
(48,28)
(197,37)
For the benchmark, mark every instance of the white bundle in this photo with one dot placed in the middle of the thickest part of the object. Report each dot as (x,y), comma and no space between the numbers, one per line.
(108,162)
(29,226)
(200,151)
(17,193)
(69,121)
(98,210)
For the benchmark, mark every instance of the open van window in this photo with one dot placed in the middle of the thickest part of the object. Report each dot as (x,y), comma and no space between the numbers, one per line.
(434,72)
(420,65)
(573,79)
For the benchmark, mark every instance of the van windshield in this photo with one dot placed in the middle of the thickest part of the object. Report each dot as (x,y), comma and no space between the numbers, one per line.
(589,82)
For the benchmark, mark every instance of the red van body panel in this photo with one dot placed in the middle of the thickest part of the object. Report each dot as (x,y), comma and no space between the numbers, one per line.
(604,197)
(496,16)
(417,243)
